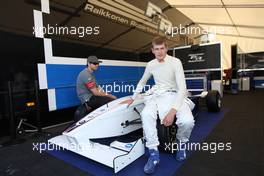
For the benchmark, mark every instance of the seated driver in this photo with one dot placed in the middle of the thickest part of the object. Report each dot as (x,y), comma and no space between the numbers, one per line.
(168,75)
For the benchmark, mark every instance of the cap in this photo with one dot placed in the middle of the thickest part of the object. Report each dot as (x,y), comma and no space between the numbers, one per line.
(93,59)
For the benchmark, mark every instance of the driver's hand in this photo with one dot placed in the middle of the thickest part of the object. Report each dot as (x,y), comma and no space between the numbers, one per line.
(169,118)
(128,101)
(111,96)
(114,97)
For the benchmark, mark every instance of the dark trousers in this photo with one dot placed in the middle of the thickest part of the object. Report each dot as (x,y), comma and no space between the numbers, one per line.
(94,103)
(97,101)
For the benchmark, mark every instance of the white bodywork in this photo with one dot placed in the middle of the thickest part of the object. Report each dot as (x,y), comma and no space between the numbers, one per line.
(109,121)
(106,121)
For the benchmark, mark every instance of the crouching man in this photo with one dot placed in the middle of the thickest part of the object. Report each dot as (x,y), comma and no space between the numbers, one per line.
(91,95)
(169,78)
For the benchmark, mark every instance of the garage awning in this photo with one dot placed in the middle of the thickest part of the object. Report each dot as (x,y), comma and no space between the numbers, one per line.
(234,22)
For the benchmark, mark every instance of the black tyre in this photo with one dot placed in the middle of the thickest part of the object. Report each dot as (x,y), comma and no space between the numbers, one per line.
(167,136)
(213,101)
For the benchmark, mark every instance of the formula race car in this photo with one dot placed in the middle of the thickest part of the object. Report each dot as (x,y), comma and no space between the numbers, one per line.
(118,119)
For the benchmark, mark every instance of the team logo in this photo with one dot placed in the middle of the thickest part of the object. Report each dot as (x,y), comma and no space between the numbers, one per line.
(129,145)
(197,57)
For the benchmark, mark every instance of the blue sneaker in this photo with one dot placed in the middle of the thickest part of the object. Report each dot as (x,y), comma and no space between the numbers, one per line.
(181,153)
(153,161)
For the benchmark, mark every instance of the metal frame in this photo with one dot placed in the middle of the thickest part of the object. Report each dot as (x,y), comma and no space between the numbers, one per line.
(12,126)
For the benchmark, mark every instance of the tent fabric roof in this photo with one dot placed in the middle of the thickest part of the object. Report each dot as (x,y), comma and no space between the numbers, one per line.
(233,21)
(241,18)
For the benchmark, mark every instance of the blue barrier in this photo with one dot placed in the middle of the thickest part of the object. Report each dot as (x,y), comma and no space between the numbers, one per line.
(119,80)
(61,79)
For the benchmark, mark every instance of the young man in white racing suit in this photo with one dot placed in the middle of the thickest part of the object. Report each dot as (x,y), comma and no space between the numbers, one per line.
(170,102)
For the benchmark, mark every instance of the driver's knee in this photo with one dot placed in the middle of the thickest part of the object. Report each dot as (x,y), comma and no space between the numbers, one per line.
(80,112)
(187,123)
(148,114)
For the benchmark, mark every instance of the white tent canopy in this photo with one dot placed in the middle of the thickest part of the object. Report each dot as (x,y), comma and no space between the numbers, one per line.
(233,21)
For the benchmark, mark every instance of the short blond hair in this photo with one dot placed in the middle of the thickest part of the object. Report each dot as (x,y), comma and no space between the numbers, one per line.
(159,40)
